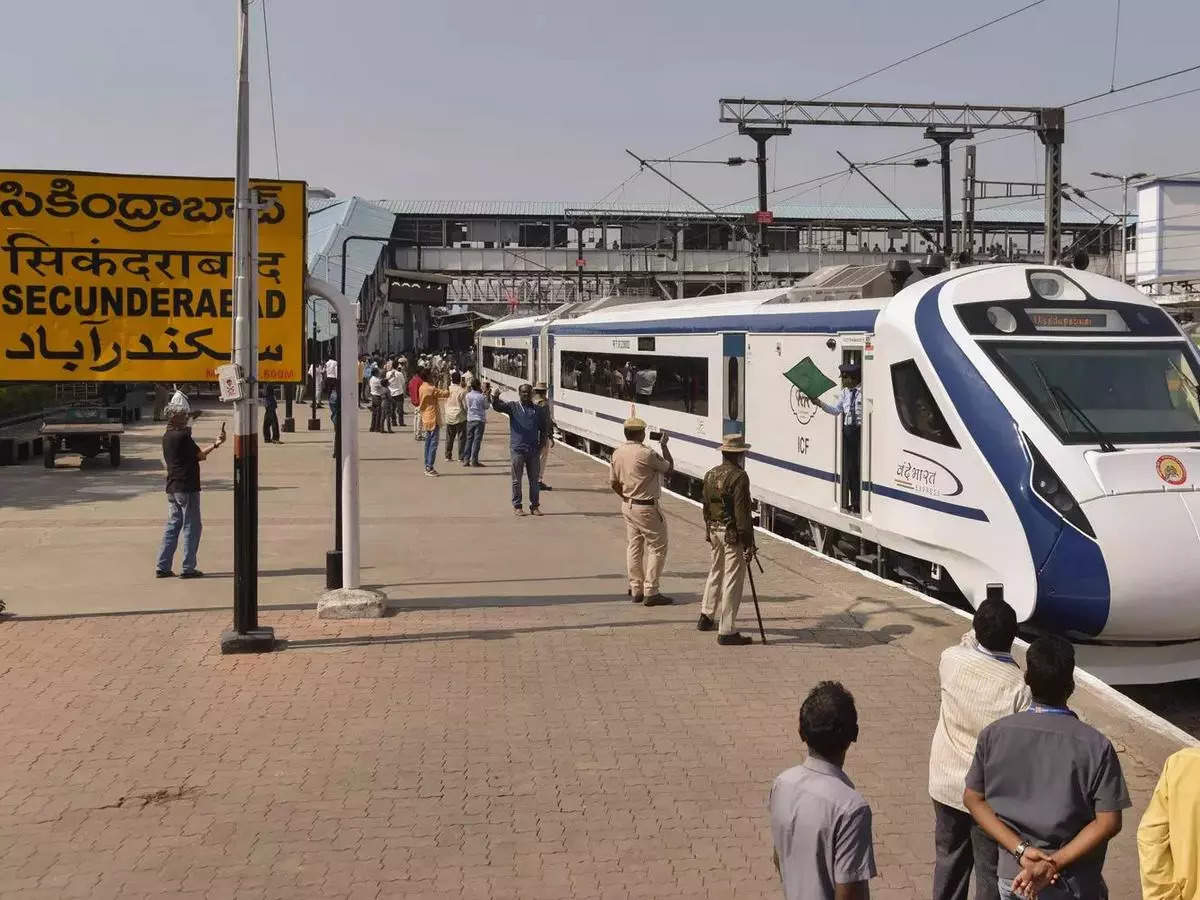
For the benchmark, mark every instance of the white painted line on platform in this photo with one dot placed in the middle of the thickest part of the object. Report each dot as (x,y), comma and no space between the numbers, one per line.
(1138,713)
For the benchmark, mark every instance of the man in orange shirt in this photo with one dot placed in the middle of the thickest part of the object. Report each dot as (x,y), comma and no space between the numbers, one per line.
(429,414)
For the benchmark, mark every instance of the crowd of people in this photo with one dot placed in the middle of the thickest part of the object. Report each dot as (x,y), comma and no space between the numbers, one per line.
(1025,796)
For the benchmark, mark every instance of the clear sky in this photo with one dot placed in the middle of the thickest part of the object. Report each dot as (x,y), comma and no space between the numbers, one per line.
(525,100)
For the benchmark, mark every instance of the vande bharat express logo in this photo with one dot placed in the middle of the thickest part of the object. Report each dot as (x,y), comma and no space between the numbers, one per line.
(1171,470)
(802,408)
(926,476)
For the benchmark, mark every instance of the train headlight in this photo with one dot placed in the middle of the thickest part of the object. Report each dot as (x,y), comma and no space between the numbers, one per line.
(1002,319)
(1050,488)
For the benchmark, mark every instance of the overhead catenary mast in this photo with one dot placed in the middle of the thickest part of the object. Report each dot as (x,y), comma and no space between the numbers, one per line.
(246,636)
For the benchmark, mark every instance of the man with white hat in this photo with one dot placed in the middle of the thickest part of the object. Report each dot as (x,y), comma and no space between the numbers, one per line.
(637,474)
(182,456)
(729,527)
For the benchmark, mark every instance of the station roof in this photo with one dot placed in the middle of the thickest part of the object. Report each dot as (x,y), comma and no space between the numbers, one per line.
(1032,213)
(330,221)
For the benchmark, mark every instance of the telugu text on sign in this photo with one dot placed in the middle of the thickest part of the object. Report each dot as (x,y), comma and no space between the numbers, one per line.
(129,277)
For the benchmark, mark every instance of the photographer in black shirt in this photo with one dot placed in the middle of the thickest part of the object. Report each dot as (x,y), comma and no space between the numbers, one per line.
(182,456)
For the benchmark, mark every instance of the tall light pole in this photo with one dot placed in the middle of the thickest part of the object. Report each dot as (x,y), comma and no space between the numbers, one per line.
(1124,179)
(246,636)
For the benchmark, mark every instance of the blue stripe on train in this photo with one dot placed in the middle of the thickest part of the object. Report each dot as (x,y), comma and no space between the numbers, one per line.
(953,509)
(755,323)
(1073,586)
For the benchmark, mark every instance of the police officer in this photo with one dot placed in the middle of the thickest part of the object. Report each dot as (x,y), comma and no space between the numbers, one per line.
(849,406)
(730,530)
(637,474)
(539,399)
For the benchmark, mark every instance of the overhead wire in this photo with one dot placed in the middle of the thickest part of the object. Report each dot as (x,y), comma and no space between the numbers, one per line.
(937,46)
(271,87)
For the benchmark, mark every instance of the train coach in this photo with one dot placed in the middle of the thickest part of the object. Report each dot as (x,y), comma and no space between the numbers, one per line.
(1028,432)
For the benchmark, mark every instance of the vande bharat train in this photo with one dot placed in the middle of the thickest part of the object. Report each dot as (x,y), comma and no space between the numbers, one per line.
(1029,432)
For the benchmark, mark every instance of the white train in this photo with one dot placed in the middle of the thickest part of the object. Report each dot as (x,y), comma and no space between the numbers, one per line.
(1030,432)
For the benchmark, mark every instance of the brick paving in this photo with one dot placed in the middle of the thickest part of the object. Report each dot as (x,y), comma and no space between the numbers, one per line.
(517,729)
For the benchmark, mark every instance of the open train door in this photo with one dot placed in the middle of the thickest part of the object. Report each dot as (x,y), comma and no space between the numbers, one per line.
(853,458)
(733,384)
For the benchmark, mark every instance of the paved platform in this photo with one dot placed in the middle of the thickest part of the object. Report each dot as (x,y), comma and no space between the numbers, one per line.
(516,728)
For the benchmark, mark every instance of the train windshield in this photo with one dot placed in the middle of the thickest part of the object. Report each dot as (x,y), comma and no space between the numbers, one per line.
(1096,393)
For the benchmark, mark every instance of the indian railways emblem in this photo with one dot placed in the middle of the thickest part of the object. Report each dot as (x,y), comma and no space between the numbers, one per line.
(1171,470)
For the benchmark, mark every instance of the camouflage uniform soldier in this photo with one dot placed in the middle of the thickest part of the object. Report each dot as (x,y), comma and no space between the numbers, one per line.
(730,530)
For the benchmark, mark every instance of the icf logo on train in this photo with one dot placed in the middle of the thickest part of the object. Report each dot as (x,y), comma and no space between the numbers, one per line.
(1171,470)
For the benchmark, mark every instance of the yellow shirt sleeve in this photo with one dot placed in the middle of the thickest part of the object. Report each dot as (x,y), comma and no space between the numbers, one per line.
(1154,846)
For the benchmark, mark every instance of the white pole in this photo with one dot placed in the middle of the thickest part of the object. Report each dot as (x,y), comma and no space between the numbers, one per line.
(1124,229)
(347,425)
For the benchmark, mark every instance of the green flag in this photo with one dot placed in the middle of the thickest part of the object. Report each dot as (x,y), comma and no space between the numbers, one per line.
(808,378)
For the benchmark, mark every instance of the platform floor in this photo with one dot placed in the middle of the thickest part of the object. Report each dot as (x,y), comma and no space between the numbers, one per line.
(516,728)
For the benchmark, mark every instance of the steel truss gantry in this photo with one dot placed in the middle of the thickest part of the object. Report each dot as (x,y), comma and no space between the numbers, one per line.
(1047,122)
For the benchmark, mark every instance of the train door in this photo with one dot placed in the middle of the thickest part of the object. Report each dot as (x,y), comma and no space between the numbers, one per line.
(733,384)
(854,449)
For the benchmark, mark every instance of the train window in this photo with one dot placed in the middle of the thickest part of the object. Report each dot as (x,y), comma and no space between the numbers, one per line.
(667,382)
(512,361)
(918,411)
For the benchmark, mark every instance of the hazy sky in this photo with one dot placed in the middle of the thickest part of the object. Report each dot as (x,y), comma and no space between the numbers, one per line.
(522,100)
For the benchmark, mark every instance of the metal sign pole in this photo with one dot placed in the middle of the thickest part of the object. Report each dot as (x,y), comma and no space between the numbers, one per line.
(245,636)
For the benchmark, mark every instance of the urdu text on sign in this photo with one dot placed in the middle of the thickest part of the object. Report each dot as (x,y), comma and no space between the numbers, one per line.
(130,277)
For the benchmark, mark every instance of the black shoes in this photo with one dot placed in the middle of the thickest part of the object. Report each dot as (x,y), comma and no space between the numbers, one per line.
(658,600)
(706,623)
(542,486)
(159,573)
(195,573)
(638,598)
(734,640)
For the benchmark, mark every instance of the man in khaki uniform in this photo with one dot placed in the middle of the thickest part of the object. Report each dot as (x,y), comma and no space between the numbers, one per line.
(539,399)
(730,529)
(637,473)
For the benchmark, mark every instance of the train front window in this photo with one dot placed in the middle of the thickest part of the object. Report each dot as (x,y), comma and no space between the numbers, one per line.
(1098,392)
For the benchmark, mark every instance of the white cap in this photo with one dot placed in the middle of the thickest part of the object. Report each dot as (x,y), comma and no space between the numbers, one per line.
(178,404)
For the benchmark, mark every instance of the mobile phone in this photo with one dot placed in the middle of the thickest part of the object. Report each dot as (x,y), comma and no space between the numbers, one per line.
(656,435)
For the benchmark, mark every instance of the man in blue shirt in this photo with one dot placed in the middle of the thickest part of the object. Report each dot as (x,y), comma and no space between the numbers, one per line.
(849,406)
(528,427)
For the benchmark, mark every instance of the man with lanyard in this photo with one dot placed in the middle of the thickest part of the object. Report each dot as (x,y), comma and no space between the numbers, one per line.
(849,407)
(980,683)
(636,477)
(1047,788)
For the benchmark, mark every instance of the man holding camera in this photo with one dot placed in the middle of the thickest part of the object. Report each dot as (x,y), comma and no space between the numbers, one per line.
(637,474)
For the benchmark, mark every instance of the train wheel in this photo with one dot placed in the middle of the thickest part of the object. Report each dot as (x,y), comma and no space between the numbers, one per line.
(114,451)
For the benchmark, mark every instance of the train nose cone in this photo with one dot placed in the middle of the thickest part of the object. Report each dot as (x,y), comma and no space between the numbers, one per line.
(1151,547)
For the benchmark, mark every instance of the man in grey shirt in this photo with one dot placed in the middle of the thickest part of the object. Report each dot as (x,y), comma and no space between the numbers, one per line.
(820,824)
(1047,788)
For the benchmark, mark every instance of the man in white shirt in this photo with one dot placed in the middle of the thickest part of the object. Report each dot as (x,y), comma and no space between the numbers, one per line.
(980,683)
(331,374)
(396,383)
(456,417)
(378,389)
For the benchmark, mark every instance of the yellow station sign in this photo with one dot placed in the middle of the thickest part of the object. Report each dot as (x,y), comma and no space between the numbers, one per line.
(130,277)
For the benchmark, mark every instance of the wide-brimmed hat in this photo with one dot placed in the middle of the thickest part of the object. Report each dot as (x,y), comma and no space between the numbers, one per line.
(540,387)
(734,443)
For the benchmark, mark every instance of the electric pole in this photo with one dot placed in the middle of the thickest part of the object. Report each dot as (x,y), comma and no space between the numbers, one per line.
(1124,179)
(246,636)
